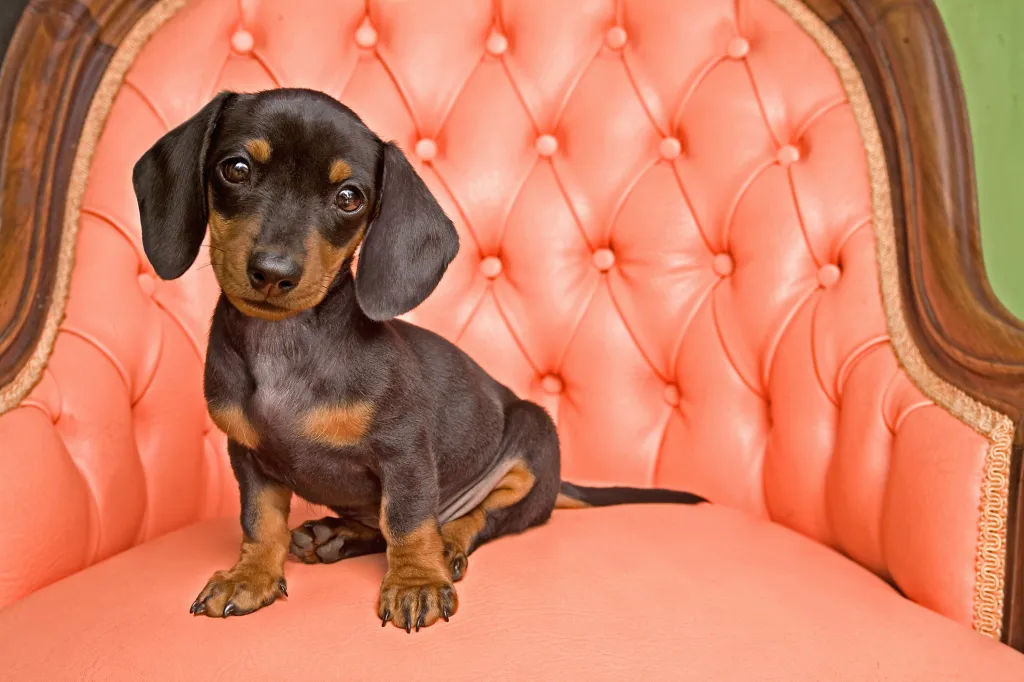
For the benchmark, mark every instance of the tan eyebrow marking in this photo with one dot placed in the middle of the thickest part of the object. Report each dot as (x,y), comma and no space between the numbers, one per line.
(259,148)
(339,171)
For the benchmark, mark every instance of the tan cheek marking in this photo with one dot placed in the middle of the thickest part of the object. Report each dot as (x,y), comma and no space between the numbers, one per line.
(220,227)
(338,425)
(332,257)
(339,171)
(324,261)
(236,425)
(236,235)
(230,242)
(259,149)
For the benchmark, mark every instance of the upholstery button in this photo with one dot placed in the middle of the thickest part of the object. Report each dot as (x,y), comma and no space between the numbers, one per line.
(670,148)
(490,267)
(604,259)
(552,384)
(616,37)
(671,395)
(546,145)
(738,48)
(788,155)
(147,283)
(828,275)
(426,149)
(497,44)
(242,42)
(723,265)
(366,36)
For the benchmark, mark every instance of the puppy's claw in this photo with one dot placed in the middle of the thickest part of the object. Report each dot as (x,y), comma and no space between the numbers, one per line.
(283,586)
(198,608)
(230,609)
(385,618)
(444,612)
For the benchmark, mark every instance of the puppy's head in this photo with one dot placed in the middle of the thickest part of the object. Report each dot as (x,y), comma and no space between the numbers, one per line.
(291,182)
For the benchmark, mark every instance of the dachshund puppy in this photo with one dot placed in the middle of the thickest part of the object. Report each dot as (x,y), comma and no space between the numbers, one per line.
(321,391)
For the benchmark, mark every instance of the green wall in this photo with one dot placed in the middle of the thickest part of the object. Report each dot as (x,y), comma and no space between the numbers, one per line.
(988,38)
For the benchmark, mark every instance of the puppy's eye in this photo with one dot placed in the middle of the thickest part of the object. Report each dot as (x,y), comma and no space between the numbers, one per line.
(349,199)
(235,170)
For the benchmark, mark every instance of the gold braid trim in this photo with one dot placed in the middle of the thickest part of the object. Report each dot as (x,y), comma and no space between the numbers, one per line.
(990,560)
(13,393)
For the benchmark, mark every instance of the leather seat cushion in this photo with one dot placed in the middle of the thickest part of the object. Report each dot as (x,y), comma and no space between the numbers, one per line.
(598,594)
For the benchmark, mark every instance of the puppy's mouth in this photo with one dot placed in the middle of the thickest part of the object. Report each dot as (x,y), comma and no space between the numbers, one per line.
(262,308)
(268,306)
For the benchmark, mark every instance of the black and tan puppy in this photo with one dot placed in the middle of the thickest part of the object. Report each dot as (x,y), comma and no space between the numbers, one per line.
(321,391)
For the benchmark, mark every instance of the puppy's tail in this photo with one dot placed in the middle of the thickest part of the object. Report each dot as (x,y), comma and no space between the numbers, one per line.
(580,497)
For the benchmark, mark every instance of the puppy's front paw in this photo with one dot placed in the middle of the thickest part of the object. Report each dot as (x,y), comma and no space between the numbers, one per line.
(239,591)
(415,601)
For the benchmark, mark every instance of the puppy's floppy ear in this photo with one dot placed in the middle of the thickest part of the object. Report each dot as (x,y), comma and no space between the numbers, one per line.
(408,246)
(170,185)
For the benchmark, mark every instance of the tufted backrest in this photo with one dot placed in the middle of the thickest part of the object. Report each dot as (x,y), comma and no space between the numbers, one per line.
(667,241)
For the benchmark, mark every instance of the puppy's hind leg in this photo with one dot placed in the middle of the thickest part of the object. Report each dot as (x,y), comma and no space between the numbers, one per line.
(332,539)
(525,495)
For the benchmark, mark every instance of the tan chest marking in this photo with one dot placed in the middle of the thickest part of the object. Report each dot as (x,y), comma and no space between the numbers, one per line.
(338,425)
(232,421)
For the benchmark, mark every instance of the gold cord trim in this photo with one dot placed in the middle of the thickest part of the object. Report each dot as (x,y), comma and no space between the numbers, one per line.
(990,560)
(13,393)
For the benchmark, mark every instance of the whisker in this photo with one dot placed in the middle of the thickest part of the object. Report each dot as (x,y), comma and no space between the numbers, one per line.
(201,267)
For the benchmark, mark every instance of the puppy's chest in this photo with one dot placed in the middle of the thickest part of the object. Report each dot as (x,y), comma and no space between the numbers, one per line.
(288,376)
(281,388)
(297,393)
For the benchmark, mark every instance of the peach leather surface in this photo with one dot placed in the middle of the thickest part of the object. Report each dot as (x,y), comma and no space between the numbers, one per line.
(602,594)
(666,241)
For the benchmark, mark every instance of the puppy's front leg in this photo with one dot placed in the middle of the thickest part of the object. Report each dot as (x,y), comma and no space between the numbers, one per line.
(417,588)
(258,577)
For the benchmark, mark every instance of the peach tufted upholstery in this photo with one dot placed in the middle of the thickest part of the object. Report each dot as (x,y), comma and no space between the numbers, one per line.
(667,241)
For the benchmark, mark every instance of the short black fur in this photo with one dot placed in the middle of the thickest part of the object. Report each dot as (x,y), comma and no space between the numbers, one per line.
(320,389)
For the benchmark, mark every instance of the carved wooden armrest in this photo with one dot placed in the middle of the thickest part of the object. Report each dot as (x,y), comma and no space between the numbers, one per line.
(962,332)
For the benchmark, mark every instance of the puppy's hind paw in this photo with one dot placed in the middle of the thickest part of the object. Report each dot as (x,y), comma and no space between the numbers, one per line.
(332,539)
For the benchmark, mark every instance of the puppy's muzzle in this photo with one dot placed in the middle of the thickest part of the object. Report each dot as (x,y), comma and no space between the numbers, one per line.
(273,274)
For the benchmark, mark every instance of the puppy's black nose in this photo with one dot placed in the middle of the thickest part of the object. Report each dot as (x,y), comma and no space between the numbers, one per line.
(273,273)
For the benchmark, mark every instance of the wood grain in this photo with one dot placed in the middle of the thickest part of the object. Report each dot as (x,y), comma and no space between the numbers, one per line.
(52,67)
(967,337)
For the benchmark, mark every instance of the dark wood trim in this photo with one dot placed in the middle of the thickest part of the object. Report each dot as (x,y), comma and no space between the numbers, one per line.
(52,67)
(61,47)
(965,334)
(10,13)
